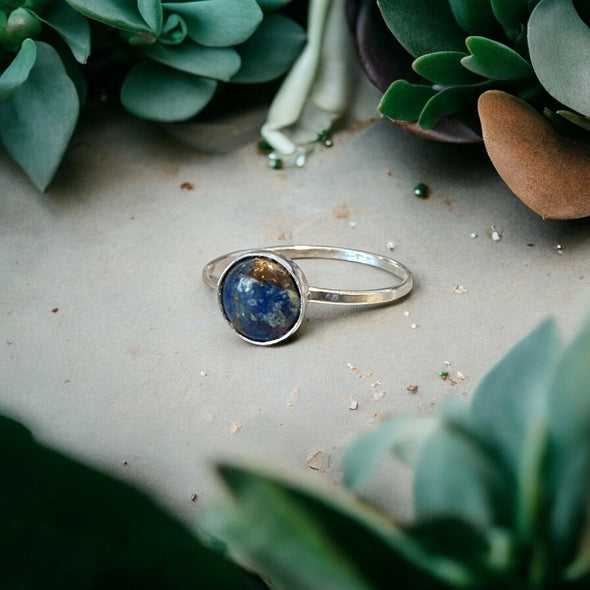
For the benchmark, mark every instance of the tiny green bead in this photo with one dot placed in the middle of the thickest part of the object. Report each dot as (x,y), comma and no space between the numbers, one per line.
(421,190)
(276,164)
(443,374)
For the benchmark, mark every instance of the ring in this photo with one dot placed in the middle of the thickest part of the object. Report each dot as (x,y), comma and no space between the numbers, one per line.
(263,294)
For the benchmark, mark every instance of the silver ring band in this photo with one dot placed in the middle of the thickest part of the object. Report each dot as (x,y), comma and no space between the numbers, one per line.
(263,293)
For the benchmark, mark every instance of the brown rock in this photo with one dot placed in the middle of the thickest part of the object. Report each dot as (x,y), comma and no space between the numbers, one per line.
(547,171)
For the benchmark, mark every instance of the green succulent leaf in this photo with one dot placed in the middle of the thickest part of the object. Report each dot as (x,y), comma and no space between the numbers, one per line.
(454,475)
(400,435)
(71,26)
(21,24)
(220,63)
(403,101)
(276,526)
(559,44)
(495,60)
(423,26)
(37,121)
(219,23)
(569,452)
(271,50)
(16,74)
(158,93)
(511,14)
(444,67)
(509,409)
(151,11)
(46,515)
(474,16)
(450,101)
(174,30)
(120,14)
(270,5)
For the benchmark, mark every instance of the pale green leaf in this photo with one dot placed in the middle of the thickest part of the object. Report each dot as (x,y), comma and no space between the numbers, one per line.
(513,394)
(400,435)
(455,476)
(271,50)
(559,44)
(151,11)
(569,457)
(158,93)
(18,71)
(218,23)
(37,121)
(305,539)
(121,14)
(71,26)
(220,63)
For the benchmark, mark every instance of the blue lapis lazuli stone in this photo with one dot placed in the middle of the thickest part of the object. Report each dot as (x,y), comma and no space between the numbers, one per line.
(260,299)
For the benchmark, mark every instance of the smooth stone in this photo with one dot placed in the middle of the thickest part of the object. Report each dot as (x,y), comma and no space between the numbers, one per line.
(260,299)
(548,172)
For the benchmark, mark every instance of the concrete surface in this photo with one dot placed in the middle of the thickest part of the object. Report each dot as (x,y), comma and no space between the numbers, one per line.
(112,349)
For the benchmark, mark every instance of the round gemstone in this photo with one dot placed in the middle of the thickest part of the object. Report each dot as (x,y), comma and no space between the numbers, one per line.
(260,299)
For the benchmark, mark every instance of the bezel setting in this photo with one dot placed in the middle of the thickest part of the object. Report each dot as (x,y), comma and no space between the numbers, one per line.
(263,297)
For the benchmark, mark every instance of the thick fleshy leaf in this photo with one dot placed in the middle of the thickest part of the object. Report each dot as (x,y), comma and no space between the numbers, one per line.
(125,541)
(151,11)
(569,457)
(474,16)
(511,14)
(444,67)
(220,63)
(495,60)
(514,393)
(71,26)
(174,30)
(300,538)
(158,93)
(423,26)
(121,14)
(509,409)
(218,23)
(455,477)
(18,71)
(559,44)
(450,101)
(271,50)
(400,435)
(404,101)
(37,121)
(269,5)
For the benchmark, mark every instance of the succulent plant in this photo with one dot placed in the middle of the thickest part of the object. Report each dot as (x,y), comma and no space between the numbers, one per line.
(501,491)
(173,55)
(461,48)
(180,51)
(40,91)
